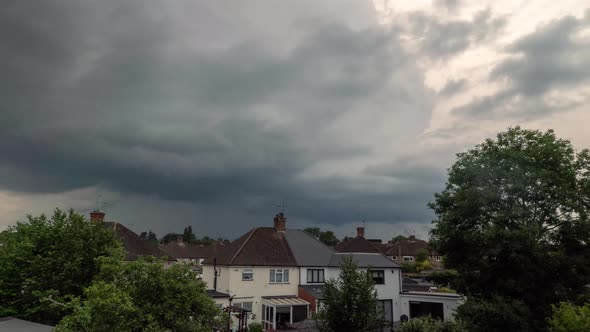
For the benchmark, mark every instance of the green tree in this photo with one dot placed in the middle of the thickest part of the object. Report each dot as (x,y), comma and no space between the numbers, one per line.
(513,220)
(169,238)
(314,231)
(494,314)
(45,259)
(350,302)
(329,238)
(428,324)
(142,296)
(188,236)
(568,317)
(425,265)
(422,255)
(398,238)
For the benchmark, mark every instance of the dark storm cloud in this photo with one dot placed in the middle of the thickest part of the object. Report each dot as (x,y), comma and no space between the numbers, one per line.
(121,94)
(440,39)
(552,57)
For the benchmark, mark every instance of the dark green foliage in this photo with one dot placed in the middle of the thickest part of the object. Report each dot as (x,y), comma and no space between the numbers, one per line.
(513,220)
(255,327)
(568,317)
(494,314)
(422,255)
(50,258)
(326,237)
(188,236)
(170,237)
(350,302)
(398,238)
(142,296)
(409,267)
(428,324)
(443,278)
(149,236)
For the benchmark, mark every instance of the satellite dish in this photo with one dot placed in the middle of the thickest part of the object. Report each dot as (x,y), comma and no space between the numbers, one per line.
(404,318)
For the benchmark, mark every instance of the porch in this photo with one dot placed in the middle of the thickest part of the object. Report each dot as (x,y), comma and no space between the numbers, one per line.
(278,311)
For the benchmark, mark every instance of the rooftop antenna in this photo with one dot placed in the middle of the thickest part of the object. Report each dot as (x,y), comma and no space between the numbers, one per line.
(282,205)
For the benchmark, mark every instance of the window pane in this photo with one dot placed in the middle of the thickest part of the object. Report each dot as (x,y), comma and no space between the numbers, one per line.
(278,276)
(309,275)
(286,275)
(247,306)
(321,279)
(272,276)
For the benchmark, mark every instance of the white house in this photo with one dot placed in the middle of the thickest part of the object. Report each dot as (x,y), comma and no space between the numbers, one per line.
(278,274)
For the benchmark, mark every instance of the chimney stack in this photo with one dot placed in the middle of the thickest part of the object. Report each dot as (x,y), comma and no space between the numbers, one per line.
(97,216)
(412,238)
(280,222)
(360,231)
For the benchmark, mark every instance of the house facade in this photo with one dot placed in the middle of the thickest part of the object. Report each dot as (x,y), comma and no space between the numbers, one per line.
(406,251)
(278,274)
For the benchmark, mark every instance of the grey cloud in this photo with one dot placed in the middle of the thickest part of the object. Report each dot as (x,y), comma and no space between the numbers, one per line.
(447,4)
(452,87)
(440,39)
(550,58)
(124,95)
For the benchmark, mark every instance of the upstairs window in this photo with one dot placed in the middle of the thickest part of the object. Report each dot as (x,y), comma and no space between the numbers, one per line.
(438,258)
(315,276)
(378,276)
(279,276)
(247,274)
(408,258)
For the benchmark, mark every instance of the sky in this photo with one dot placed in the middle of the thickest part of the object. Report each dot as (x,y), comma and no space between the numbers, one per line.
(213,113)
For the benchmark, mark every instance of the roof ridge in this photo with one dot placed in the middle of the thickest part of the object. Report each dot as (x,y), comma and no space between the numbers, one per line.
(287,246)
(231,261)
(325,245)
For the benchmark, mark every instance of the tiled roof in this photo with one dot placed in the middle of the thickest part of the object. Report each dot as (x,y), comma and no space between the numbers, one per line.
(187,250)
(407,247)
(262,246)
(134,245)
(358,244)
(364,260)
(216,294)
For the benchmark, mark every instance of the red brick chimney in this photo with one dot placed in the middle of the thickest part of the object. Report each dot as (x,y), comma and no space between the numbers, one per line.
(280,222)
(360,231)
(97,216)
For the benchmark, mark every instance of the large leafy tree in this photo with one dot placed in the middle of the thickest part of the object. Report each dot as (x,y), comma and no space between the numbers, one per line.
(47,260)
(350,302)
(570,318)
(513,220)
(142,296)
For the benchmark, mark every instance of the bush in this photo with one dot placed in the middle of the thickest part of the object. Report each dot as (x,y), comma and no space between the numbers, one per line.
(570,318)
(255,327)
(443,278)
(495,314)
(408,267)
(424,266)
(427,324)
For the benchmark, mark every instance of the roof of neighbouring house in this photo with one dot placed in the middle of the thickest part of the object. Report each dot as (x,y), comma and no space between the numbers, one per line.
(134,245)
(407,247)
(215,294)
(18,325)
(187,250)
(259,247)
(357,244)
(307,250)
(316,291)
(364,259)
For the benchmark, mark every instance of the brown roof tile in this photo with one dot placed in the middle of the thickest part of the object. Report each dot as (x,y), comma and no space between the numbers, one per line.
(260,246)
(134,245)
(358,244)
(187,250)
(407,247)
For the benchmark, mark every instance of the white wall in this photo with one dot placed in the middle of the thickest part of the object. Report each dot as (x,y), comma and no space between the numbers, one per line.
(450,302)
(230,281)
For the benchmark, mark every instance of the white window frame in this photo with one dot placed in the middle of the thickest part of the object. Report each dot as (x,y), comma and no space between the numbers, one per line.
(274,276)
(438,258)
(247,271)
(408,258)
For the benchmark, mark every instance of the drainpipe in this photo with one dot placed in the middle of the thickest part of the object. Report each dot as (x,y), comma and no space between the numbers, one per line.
(215,272)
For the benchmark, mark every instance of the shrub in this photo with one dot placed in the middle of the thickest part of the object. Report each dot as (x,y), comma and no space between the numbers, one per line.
(570,318)
(428,324)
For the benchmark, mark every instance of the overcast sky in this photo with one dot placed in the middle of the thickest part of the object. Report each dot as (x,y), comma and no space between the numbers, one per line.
(210,113)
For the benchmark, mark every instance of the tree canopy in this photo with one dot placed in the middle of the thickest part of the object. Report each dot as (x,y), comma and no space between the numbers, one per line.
(327,237)
(513,220)
(142,296)
(570,318)
(50,258)
(350,302)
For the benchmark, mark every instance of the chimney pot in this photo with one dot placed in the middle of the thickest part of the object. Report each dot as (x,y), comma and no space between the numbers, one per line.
(280,222)
(360,231)
(97,216)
